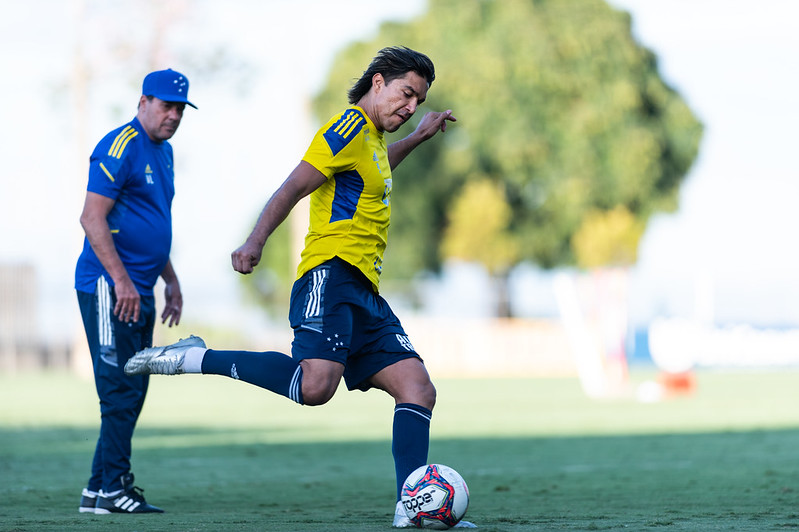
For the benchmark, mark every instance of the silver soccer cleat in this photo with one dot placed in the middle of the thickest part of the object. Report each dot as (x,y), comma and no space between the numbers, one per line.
(164,360)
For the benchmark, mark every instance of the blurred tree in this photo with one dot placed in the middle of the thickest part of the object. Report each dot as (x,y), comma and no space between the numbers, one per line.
(478,227)
(607,239)
(477,230)
(558,107)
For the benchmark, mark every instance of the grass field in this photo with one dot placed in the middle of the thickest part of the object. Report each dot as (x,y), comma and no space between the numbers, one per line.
(536,453)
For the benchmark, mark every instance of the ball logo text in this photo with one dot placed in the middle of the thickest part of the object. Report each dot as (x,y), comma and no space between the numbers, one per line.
(414,503)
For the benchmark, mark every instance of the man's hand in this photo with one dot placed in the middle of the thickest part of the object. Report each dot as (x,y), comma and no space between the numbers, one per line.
(128,304)
(173,308)
(246,257)
(433,122)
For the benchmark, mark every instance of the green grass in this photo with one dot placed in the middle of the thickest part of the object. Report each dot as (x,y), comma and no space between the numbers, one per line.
(536,453)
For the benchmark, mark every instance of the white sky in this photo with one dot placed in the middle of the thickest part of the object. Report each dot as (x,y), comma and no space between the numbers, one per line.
(733,61)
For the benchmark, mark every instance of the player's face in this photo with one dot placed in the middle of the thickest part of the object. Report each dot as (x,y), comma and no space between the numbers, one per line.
(398,100)
(160,119)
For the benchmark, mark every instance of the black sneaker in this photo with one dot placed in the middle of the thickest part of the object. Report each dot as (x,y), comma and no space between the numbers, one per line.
(88,501)
(130,500)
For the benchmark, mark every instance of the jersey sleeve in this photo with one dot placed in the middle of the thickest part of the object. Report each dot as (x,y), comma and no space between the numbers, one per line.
(333,149)
(106,166)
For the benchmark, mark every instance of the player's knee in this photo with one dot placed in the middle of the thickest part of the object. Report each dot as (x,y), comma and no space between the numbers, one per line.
(422,394)
(419,392)
(317,393)
(428,396)
(320,380)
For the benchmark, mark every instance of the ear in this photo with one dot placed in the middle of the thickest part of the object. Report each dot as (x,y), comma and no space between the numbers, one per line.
(378,82)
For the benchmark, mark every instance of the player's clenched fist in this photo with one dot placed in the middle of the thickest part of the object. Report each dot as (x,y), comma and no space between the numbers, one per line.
(246,257)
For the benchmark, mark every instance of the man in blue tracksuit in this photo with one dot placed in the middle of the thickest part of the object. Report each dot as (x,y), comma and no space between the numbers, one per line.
(128,224)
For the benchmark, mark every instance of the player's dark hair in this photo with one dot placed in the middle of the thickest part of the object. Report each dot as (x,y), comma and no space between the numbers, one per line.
(393,62)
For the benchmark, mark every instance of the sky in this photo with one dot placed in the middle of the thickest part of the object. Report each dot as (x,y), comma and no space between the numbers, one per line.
(728,253)
(735,64)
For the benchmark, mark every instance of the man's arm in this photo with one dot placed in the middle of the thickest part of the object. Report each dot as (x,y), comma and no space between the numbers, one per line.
(173,298)
(303,180)
(95,225)
(431,124)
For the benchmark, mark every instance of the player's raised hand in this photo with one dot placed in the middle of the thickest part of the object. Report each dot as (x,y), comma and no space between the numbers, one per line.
(246,257)
(433,122)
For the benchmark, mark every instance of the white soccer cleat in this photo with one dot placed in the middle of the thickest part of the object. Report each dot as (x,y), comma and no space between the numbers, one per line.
(164,360)
(401,519)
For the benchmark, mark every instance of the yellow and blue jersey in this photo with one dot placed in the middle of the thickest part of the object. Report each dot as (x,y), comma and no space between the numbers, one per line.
(350,212)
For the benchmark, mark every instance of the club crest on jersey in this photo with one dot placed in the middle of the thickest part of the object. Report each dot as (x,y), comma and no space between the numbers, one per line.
(148,175)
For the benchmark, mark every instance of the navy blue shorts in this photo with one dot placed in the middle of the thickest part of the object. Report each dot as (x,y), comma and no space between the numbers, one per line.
(336,315)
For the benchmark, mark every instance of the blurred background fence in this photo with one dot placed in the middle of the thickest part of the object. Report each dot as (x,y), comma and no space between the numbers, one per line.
(22,346)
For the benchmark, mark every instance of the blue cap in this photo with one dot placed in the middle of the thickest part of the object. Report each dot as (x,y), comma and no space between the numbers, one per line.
(167,85)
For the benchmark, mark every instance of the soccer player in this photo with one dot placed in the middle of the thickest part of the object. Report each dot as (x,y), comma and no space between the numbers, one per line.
(342,326)
(128,224)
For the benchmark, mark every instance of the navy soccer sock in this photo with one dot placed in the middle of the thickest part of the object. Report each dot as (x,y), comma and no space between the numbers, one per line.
(270,370)
(411,440)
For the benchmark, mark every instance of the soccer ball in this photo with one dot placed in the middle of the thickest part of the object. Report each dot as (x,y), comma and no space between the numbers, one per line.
(435,496)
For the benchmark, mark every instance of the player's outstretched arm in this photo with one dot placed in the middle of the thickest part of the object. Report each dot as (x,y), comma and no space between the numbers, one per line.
(432,122)
(303,180)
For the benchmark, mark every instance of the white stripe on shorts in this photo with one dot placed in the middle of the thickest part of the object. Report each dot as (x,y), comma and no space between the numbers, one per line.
(314,306)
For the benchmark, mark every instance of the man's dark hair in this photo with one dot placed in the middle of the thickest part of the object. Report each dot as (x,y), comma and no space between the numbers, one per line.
(393,62)
(149,99)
